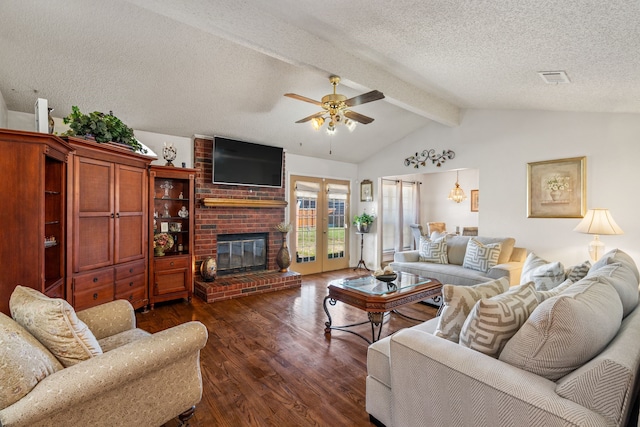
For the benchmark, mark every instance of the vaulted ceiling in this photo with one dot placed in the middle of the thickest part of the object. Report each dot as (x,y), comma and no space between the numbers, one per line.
(221,67)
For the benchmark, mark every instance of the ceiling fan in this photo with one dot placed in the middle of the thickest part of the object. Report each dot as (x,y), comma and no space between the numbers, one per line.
(336,108)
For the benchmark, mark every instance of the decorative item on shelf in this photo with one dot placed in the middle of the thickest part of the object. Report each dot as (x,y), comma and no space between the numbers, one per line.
(52,123)
(101,127)
(166,213)
(208,269)
(175,227)
(180,247)
(457,194)
(283,257)
(166,186)
(183,212)
(169,153)
(181,196)
(596,222)
(421,159)
(162,242)
(363,222)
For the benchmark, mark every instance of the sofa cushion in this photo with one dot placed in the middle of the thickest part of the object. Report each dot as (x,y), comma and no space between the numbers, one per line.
(55,324)
(567,330)
(546,275)
(122,338)
(493,321)
(545,295)
(480,256)
(578,272)
(457,302)
(624,282)
(616,255)
(433,250)
(24,362)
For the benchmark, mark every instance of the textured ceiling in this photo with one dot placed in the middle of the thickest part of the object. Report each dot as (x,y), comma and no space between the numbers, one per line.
(184,67)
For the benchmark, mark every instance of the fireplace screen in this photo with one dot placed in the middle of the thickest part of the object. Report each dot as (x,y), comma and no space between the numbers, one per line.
(242,252)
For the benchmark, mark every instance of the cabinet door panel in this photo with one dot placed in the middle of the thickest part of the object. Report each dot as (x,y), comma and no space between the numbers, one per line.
(94,186)
(129,238)
(167,282)
(131,184)
(95,247)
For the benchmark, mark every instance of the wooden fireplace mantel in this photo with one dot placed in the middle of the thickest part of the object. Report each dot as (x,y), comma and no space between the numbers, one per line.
(243,203)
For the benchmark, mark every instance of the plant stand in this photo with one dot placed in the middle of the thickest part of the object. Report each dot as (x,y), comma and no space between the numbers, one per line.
(361,262)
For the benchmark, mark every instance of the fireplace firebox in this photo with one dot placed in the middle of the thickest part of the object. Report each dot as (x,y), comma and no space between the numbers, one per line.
(242,252)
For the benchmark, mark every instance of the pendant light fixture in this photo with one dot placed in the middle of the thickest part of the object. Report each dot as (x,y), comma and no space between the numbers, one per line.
(457,194)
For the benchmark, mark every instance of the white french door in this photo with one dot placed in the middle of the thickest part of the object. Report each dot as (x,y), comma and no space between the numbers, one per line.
(319,214)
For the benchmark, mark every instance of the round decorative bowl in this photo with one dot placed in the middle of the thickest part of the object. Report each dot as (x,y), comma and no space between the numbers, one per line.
(387,277)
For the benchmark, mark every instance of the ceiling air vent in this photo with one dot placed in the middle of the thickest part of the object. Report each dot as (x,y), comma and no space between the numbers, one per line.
(554,77)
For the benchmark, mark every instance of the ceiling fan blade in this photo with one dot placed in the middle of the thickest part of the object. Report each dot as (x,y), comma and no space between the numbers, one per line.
(374,95)
(303,98)
(358,117)
(313,116)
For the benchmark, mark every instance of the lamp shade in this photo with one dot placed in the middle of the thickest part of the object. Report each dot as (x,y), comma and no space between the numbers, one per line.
(598,221)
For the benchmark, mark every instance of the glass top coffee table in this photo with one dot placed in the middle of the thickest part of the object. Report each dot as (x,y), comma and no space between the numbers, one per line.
(376,298)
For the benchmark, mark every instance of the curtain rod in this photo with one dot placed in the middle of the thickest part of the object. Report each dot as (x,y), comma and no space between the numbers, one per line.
(404,182)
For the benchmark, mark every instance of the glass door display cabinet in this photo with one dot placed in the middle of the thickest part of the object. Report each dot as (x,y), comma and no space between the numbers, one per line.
(171,224)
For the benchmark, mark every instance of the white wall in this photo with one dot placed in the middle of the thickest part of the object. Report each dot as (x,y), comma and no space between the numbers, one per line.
(155,141)
(501,143)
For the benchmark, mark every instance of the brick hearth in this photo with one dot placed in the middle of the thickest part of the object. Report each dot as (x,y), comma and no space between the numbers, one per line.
(239,285)
(269,210)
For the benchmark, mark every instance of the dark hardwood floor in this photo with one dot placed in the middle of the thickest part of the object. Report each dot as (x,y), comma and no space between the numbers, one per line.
(268,362)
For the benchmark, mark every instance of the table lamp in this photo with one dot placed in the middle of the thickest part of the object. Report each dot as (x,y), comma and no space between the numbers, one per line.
(596,222)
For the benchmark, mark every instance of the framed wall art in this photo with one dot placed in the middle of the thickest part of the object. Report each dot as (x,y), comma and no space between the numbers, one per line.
(557,188)
(474,200)
(366,191)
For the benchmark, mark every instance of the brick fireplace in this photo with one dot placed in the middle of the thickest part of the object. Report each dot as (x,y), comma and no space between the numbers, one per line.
(259,210)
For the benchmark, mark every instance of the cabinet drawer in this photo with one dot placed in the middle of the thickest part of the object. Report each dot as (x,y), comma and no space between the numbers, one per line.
(131,289)
(93,289)
(172,263)
(130,269)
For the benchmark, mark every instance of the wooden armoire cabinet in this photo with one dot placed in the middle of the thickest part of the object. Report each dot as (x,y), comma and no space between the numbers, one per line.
(32,248)
(107,225)
(171,208)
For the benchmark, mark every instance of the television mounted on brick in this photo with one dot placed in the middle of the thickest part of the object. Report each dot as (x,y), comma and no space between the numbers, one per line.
(246,163)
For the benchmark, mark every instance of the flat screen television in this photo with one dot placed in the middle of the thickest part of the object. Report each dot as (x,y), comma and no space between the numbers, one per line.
(246,163)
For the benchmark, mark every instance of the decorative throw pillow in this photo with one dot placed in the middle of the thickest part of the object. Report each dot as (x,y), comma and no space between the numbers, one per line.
(24,361)
(55,324)
(567,330)
(493,321)
(457,302)
(433,250)
(578,272)
(546,275)
(481,257)
(545,295)
(623,281)
(613,256)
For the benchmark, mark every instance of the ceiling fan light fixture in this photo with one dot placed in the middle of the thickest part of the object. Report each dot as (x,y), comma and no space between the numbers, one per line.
(351,124)
(317,122)
(331,129)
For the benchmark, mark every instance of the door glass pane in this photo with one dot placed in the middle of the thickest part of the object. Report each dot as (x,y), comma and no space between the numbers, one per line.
(336,231)
(307,221)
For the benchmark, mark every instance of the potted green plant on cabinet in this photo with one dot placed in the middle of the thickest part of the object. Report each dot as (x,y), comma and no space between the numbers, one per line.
(101,127)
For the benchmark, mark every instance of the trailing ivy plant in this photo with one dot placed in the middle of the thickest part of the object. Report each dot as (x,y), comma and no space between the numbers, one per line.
(102,127)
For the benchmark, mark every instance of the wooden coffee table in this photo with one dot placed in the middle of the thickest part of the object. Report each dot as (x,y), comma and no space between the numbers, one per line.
(377,298)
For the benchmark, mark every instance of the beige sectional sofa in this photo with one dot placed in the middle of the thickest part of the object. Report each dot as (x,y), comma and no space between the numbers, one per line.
(509,264)
(573,361)
(94,368)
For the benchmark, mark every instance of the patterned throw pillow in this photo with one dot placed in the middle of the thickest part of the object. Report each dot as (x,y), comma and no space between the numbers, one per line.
(545,295)
(493,321)
(481,257)
(55,324)
(578,272)
(457,302)
(546,275)
(433,250)
(556,339)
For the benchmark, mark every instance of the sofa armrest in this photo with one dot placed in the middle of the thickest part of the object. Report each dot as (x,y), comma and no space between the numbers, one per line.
(406,256)
(109,319)
(435,381)
(66,393)
(511,270)
(518,255)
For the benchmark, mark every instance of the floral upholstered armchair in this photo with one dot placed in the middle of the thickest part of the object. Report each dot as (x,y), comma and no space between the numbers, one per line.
(94,368)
